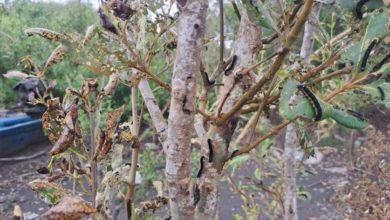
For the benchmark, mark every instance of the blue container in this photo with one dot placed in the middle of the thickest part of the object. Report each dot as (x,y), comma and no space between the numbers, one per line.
(18,133)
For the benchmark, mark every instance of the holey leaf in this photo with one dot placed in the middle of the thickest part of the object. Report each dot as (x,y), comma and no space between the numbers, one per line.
(376,28)
(45,33)
(70,208)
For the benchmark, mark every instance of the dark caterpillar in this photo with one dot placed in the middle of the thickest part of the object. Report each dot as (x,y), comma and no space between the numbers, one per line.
(233,154)
(210,150)
(206,80)
(367,55)
(381,92)
(230,67)
(313,101)
(356,114)
(200,168)
(380,64)
(359,6)
(196,194)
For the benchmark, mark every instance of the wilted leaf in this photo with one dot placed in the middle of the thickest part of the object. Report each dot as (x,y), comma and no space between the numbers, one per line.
(56,56)
(69,132)
(112,120)
(45,33)
(50,191)
(17,214)
(29,63)
(70,208)
(15,74)
(53,120)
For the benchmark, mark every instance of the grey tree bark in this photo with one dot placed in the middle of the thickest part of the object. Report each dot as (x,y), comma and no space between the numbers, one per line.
(246,49)
(182,108)
(290,202)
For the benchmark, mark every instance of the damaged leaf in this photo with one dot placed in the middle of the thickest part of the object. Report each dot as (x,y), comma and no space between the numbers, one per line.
(70,208)
(51,192)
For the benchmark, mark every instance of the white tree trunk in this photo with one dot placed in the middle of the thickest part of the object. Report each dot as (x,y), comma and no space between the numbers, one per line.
(182,109)
(290,202)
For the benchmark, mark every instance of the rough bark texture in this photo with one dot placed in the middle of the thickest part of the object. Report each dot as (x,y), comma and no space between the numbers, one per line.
(246,48)
(290,202)
(182,109)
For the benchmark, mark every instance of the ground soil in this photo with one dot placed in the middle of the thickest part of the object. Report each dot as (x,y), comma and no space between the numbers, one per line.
(329,174)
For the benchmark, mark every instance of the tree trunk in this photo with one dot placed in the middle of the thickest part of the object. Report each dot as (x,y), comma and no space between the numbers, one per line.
(182,109)
(290,202)
(246,49)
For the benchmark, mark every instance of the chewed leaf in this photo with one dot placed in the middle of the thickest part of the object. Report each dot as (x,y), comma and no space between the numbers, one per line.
(70,208)
(56,56)
(347,120)
(51,192)
(45,33)
(15,74)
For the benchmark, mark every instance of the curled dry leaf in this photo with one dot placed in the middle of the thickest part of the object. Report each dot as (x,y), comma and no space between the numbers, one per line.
(28,63)
(56,56)
(70,208)
(51,192)
(53,120)
(89,34)
(105,139)
(45,33)
(15,74)
(69,132)
(89,85)
(154,204)
(17,214)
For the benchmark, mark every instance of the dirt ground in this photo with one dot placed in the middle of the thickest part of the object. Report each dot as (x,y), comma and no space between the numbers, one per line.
(329,174)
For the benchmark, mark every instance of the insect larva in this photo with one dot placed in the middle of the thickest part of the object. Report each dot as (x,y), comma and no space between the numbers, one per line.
(233,154)
(210,150)
(380,64)
(381,92)
(359,6)
(367,55)
(313,101)
(206,80)
(230,67)
(356,115)
(200,168)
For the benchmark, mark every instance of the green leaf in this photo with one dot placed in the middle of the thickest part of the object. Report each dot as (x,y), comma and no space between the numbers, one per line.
(347,120)
(237,161)
(258,174)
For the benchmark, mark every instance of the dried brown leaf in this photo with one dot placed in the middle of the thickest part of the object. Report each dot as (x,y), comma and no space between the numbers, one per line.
(49,190)
(70,208)
(112,121)
(53,120)
(56,56)
(45,33)
(68,134)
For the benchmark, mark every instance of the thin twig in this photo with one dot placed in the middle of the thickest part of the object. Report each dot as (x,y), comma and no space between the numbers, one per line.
(221,32)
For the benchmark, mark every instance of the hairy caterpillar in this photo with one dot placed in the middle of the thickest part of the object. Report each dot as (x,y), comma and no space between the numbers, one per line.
(200,168)
(359,6)
(380,64)
(210,150)
(230,67)
(381,92)
(313,101)
(367,55)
